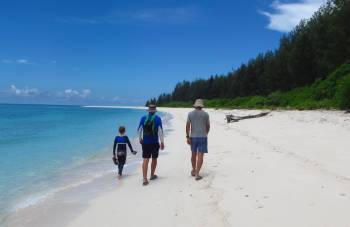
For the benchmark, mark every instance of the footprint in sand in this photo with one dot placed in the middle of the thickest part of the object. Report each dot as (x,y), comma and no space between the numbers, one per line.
(225,175)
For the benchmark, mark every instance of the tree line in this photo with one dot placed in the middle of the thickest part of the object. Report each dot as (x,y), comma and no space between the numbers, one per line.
(309,53)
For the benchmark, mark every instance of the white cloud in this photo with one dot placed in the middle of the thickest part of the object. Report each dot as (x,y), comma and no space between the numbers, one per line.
(116,99)
(34,92)
(77,20)
(22,61)
(71,93)
(85,93)
(288,15)
(26,91)
(127,100)
(6,61)
(175,15)
(168,15)
(18,61)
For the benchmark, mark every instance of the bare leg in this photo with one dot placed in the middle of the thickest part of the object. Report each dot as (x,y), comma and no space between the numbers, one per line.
(199,163)
(145,168)
(153,166)
(193,161)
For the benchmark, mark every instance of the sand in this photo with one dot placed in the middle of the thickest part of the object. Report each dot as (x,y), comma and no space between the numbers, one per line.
(290,168)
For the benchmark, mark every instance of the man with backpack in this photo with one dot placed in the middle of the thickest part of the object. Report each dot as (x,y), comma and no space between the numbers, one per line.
(150,132)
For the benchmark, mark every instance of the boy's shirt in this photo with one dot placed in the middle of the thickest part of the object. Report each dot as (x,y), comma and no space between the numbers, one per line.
(120,143)
(151,139)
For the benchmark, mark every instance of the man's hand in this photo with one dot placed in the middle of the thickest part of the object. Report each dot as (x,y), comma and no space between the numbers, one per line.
(188,141)
(134,152)
(162,146)
(141,141)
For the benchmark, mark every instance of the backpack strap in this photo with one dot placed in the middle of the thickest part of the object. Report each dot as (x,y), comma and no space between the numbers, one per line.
(154,123)
(148,118)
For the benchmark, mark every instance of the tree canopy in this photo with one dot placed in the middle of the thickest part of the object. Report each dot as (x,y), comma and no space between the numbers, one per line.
(314,49)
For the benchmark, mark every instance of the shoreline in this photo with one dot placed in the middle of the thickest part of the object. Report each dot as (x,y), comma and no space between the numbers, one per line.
(69,193)
(60,195)
(287,169)
(118,107)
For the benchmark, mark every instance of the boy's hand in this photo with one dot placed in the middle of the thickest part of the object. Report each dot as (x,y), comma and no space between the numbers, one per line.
(115,160)
(162,146)
(188,141)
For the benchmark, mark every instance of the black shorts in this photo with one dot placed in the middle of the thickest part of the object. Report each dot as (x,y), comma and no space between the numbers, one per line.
(150,150)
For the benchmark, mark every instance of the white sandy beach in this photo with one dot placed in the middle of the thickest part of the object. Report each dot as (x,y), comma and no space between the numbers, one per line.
(290,168)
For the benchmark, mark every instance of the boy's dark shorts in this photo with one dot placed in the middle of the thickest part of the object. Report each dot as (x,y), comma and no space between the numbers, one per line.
(150,150)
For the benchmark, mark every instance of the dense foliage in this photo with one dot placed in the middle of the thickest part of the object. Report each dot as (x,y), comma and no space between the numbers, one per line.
(333,92)
(305,56)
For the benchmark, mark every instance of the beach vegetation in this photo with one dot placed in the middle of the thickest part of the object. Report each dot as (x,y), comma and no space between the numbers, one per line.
(307,71)
(330,93)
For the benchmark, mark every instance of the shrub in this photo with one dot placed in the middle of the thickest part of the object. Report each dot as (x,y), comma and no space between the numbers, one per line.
(343,92)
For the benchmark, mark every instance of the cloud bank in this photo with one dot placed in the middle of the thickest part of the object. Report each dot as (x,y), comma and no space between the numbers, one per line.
(176,15)
(15,94)
(22,61)
(34,92)
(71,93)
(287,15)
(24,92)
(18,61)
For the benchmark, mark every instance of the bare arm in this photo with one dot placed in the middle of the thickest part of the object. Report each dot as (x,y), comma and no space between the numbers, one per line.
(188,128)
(208,125)
(161,134)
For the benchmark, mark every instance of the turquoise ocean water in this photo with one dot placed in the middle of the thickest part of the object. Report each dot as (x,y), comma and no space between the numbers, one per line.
(41,145)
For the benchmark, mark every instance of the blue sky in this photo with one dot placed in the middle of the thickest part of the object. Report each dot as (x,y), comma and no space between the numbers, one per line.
(125,52)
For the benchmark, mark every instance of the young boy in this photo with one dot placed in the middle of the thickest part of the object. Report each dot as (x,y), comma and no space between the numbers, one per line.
(120,143)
